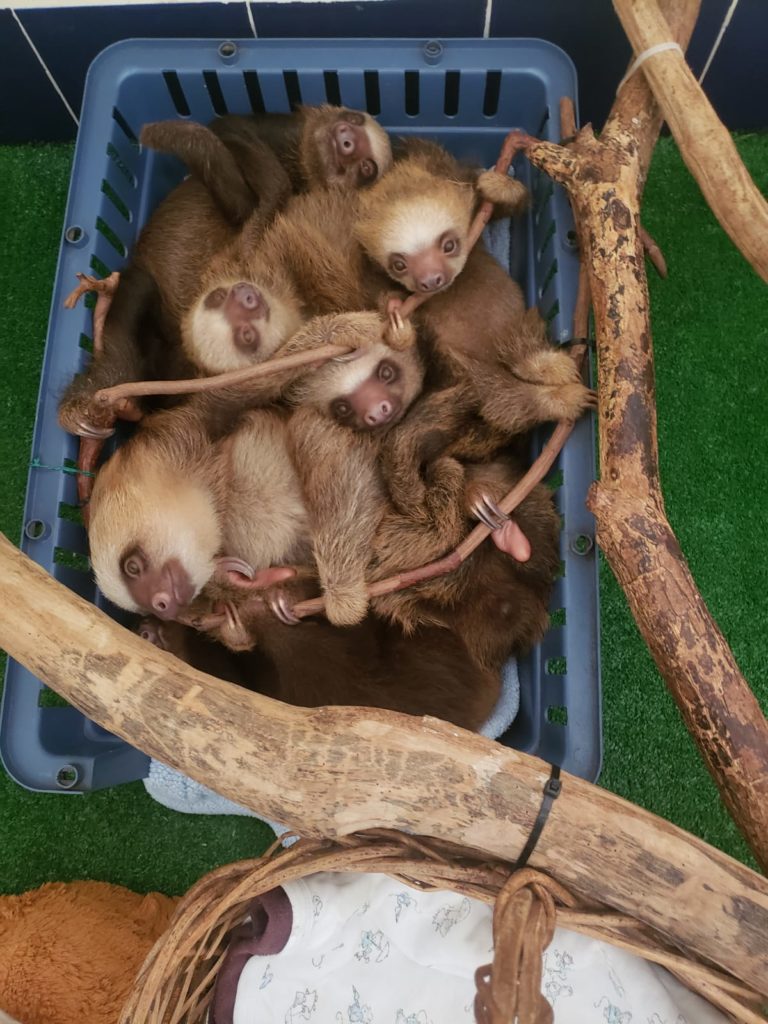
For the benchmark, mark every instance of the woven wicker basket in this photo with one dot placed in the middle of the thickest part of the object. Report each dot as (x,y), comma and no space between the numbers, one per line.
(175,984)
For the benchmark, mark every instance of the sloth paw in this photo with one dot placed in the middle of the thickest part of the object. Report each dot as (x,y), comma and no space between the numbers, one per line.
(509,194)
(346,605)
(84,417)
(570,401)
(488,512)
(506,534)
(399,334)
(355,331)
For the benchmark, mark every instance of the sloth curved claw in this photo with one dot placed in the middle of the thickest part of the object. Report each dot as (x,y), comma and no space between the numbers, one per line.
(282,609)
(348,356)
(91,432)
(489,513)
(226,565)
(203,623)
(232,618)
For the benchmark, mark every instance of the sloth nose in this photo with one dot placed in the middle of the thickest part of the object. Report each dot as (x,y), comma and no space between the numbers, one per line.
(164,605)
(247,296)
(345,135)
(380,413)
(431,282)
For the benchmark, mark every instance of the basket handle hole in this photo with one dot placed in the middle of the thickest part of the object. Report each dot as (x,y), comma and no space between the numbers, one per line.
(36,529)
(67,776)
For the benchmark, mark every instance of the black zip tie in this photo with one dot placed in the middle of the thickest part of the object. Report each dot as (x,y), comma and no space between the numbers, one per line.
(552,788)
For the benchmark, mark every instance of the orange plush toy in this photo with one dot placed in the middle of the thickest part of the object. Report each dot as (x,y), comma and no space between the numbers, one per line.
(69,952)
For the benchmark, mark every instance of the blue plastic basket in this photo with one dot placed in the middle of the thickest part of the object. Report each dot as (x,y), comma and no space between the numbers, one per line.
(466,94)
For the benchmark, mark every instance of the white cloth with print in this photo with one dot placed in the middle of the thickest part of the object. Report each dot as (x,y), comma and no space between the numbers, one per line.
(366,949)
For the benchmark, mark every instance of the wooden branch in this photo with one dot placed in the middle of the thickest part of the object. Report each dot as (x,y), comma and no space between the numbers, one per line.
(332,771)
(634,109)
(705,144)
(686,643)
(653,252)
(603,179)
(195,385)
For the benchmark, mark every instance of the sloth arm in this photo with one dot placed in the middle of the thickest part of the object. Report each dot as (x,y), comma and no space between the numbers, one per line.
(344,496)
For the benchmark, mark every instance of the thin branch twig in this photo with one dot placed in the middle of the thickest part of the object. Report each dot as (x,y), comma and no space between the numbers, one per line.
(194,385)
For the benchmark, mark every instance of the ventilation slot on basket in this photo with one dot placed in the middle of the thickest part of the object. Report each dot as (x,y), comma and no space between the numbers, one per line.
(215,94)
(104,229)
(554,480)
(557,617)
(176,93)
(451,100)
(548,277)
(412,93)
(557,714)
(492,93)
(556,666)
(129,133)
(546,240)
(372,95)
(543,122)
(85,342)
(119,204)
(332,90)
(253,88)
(114,155)
(544,194)
(71,560)
(70,513)
(292,88)
(552,312)
(102,270)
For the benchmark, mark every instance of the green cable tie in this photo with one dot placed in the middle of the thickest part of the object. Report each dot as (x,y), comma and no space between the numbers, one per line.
(37,464)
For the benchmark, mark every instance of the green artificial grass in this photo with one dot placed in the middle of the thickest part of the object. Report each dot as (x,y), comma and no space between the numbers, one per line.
(710,321)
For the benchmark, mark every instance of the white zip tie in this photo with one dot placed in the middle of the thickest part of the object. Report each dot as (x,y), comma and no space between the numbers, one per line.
(250,19)
(720,34)
(643,57)
(46,69)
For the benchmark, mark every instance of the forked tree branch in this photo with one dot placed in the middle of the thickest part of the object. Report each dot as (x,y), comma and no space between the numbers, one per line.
(705,144)
(604,178)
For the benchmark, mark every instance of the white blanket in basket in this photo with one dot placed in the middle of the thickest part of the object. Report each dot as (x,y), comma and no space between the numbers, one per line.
(367,949)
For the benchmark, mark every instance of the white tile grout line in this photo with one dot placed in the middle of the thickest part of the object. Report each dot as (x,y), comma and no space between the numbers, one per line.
(46,69)
(488,13)
(251,21)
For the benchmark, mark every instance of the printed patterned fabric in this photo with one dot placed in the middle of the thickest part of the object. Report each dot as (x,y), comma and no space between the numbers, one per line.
(366,949)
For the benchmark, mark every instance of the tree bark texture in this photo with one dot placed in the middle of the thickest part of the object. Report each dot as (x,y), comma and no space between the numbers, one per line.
(604,179)
(333,771)
(705,143)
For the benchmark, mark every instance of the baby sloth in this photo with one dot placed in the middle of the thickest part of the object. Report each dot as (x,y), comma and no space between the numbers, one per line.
(414,225)
(316,147)
(243,171)
(416,221)
(370,665)
(210,487)
(263,286)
